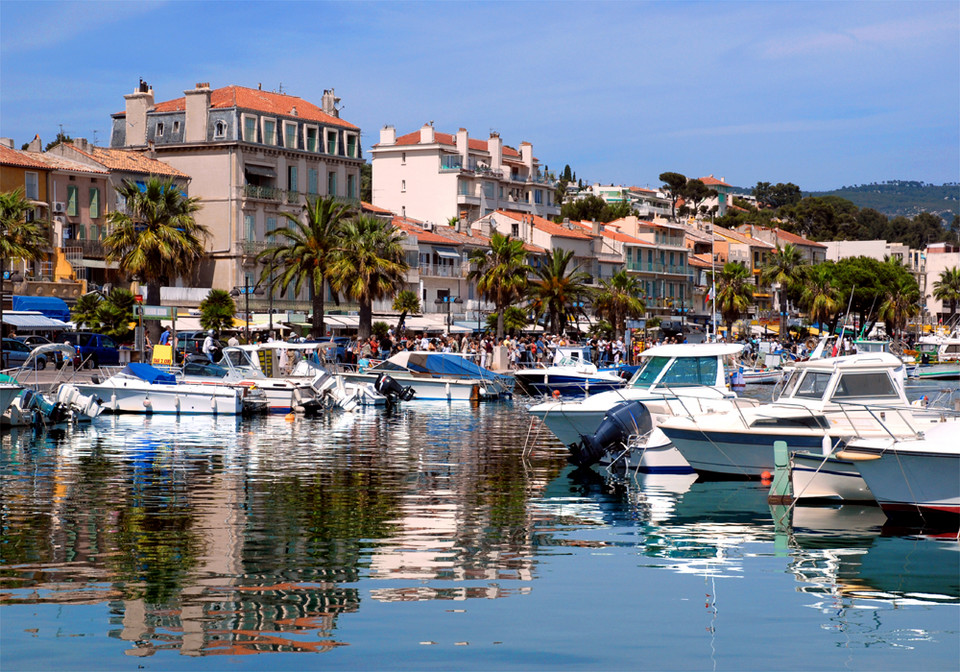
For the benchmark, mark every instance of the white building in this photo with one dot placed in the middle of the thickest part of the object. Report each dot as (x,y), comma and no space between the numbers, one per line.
(435,177)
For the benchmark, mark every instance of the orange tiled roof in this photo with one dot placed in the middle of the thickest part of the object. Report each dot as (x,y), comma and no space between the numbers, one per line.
(370,207)
(57,162)
(447,139)
(14,157)
(413,227)
(241,97)
(711,181)
(794,239)
(700,260)
(528,247)
(546,225)
(611,231)
(738,237)
(129,161)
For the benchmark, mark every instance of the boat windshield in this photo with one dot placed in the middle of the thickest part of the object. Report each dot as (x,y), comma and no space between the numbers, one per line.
(871,346)
(812,385)
(864,386)
(204,369)
(566,361)
(646,376)
(683,372)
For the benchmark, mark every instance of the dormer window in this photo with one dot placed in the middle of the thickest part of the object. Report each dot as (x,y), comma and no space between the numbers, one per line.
(160,129)
(220,130)
(289,135)
(176,127)
(311,135)
(269,131)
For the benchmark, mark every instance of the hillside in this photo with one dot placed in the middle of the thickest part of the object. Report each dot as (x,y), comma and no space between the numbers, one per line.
(902,197)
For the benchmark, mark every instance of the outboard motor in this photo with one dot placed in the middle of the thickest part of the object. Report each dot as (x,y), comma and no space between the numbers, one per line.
(391,389)
(620,422)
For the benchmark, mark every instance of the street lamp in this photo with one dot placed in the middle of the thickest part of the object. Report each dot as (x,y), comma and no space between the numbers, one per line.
(246,290)
(448,300)
(14,277)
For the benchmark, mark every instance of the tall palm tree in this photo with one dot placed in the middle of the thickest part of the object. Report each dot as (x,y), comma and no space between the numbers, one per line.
(501,273)
(84,311)
(368,264)
(820,296)
(405,302)
(217,310)
(619,299)
(557,288)
(947,289)
(902,302)
(734,293)
(155,236)
(788,268)
(19,239)
(303,252)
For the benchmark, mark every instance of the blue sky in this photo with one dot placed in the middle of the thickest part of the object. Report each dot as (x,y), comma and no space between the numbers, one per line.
(819,94)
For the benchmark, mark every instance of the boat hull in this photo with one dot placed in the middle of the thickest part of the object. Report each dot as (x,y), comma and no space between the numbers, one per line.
(426,388)
(124,397)
(536,382)
(817,477)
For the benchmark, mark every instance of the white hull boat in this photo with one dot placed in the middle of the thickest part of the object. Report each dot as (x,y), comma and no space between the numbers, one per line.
(822,477)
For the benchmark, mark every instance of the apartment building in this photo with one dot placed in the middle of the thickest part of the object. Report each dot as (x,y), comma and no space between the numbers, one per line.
(812,252)
(252,155)
(724,197)
(648,203)
(938,258)
(435,177)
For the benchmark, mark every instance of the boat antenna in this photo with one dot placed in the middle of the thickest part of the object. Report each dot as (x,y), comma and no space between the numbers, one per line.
(845,316)
(863,327)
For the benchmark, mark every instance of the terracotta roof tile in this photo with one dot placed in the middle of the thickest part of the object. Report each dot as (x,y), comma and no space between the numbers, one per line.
(700,260)
(129,161)
(370,207)
(738,237)
(423,236)
(547,226)
(14,157)
(260,101)
(711,181)
(57,162)
(794,239)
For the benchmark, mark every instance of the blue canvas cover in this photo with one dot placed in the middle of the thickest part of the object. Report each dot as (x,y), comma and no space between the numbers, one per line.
(150,374)
(442,364)
(50,306)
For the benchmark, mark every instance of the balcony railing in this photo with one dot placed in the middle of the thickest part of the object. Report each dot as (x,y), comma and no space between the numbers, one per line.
(250,248)
(81,248)
(441,271)
(262,193)
(656,267)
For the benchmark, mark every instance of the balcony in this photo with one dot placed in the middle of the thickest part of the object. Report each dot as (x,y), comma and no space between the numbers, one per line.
(80,248)
(259,193)
(656,267)
(442,271)
(249,249)
(451,163)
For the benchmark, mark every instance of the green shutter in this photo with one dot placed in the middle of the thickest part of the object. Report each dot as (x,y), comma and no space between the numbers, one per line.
(71,200)
(94,203)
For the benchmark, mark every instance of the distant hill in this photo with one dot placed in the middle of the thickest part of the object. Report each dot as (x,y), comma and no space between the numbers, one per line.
(902,197)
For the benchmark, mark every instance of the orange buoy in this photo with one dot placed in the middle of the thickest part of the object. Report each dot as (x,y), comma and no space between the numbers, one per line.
(765,476)
(290,417)
(556,394)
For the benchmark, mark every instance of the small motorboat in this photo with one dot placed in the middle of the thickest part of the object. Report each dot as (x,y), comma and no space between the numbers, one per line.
(571,374)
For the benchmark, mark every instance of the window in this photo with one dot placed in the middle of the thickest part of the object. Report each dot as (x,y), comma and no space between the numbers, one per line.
(176,127)
(514,229)
(271,224)
(351,145)
(352,186)
(31,185)
(289,135)
(159,129)
(501,193)
(694,371)
(249,128)
(310,141)
(269,132)
(538,196)
(220,130)
(860,385)
(403,185)
(813,385)
(72,200)
(331,183)
(331,142)
(94,203)
(248,227)
(488,189)
(292,183)
(403,158)
(313,180)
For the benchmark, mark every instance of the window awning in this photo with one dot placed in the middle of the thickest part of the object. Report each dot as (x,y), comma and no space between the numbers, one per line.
(33,320)
(446,252)
(263,171)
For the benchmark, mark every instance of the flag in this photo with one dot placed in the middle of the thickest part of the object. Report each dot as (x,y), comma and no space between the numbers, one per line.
(710,295)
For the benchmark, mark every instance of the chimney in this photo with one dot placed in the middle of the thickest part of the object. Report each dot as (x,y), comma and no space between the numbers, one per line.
(495,147)
(7,142)
(427,135)
(526,155)
(138,104)
(463,146)
(81,144)
(329,103)
(388,135)
(596,227)
(198,110)
(36,145)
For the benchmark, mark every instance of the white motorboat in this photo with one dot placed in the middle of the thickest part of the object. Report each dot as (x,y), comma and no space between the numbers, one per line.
(8,392)
(939,358)
(841,398)
(571,373)
(686,379)
(436,376)
(141,388)
(917,474)
(826,475)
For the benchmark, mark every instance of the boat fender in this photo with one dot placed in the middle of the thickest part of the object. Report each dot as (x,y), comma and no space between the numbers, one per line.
(619,423)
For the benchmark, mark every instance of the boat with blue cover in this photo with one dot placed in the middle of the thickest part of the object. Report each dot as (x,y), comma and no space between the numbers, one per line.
(571,374)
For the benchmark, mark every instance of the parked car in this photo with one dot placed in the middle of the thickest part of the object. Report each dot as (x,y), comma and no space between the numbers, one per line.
(93,350)
(190,343)
(33,340)
(15,353)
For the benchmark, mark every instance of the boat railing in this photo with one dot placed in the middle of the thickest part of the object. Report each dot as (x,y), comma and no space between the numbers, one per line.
(905,414)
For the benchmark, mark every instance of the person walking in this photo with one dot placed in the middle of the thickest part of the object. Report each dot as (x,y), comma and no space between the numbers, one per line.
(208,346)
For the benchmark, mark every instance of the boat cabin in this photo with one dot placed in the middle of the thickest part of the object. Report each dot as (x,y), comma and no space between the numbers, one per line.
(684,365)
(872,378)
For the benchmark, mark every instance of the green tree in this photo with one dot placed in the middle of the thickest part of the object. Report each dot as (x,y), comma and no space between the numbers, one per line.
(777,195)
(379,329)
(501,273)
(302,252)
(84,312)
(583,209)
(368,264)
(514,320)
(217,310)
(787,267)
(155,236)
(947,289)
(734,293)
(115,313)
(406,302)
(20,239)
(557,288)
(619,299)
(820,296)
(696,192)
(366,182)
(902,302)
(673,184)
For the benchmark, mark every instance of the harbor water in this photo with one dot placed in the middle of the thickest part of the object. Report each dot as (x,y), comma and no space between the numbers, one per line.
(436,536)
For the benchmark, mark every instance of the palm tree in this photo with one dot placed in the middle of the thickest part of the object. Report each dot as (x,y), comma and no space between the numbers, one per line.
(947,289)
(84,312)
(558,288)
(303,252)
(734,293)
(368,264)
(155,236)
(501,273)
(217,310)
(406,302)
(902,303)
(514,319)
(115,313)
(19,239)
(788,268)
(820,296)
(619,299)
